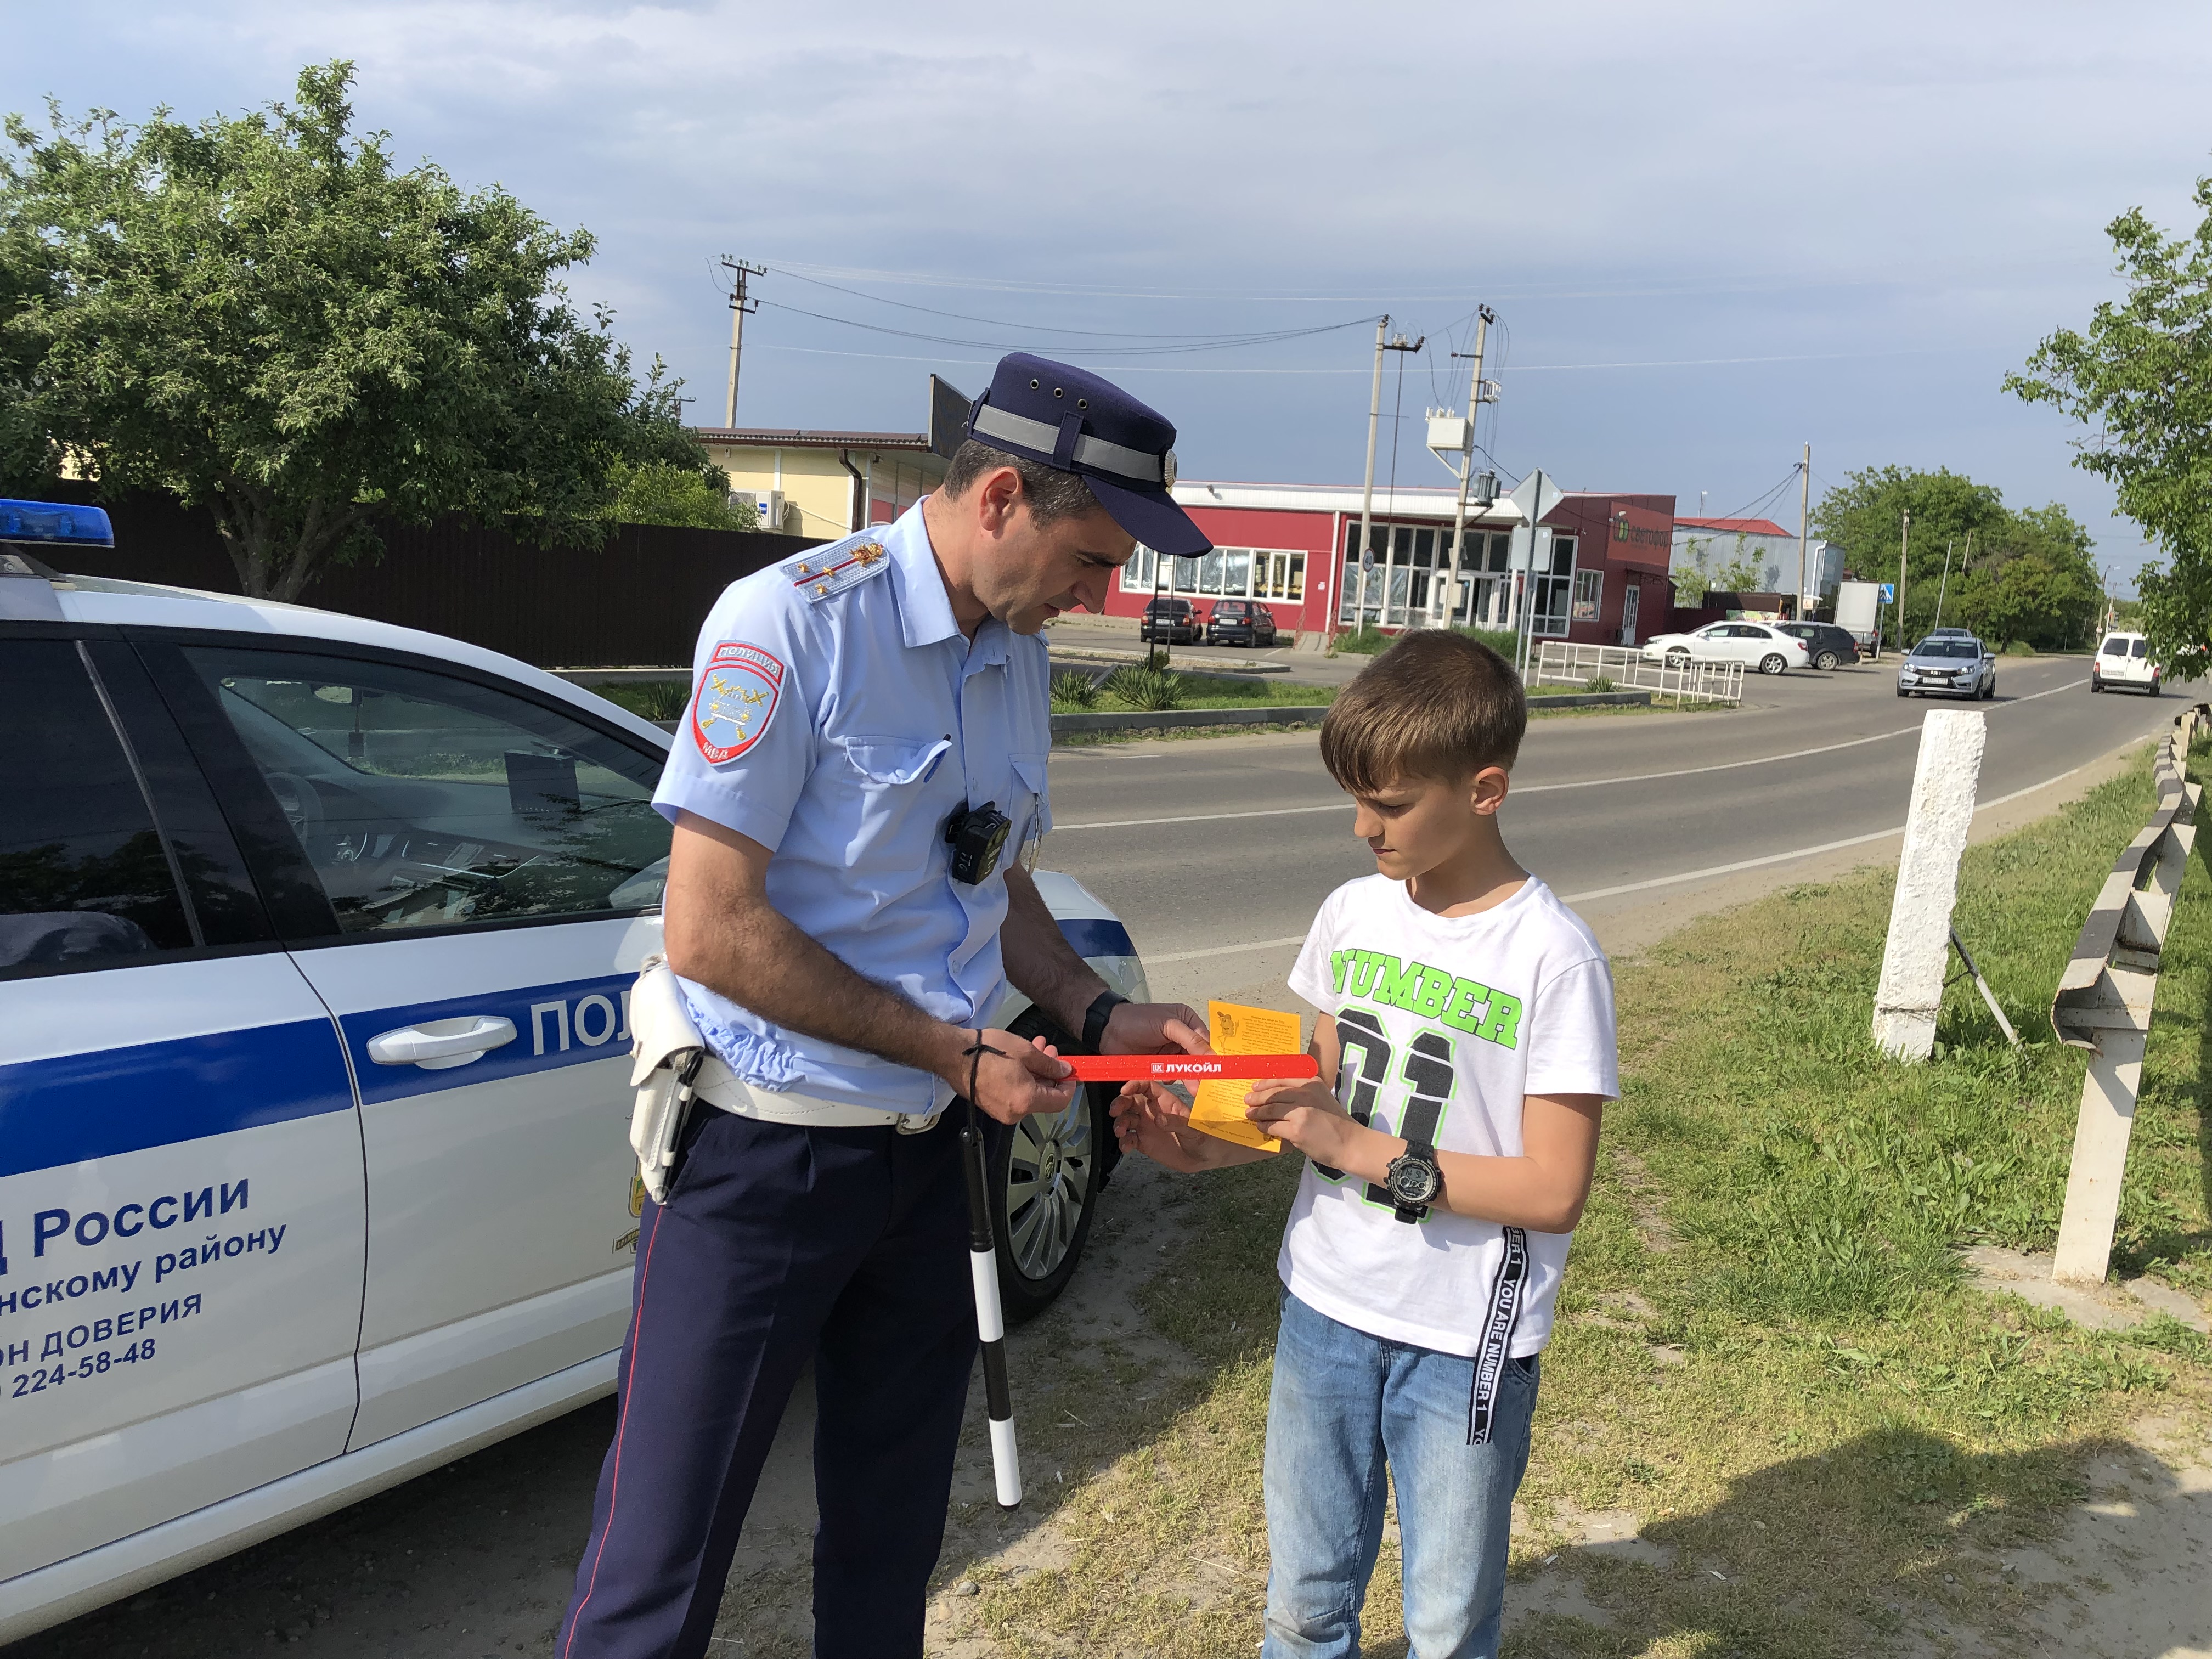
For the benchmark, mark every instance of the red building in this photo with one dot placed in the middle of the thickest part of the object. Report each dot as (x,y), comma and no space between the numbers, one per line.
(1294,547)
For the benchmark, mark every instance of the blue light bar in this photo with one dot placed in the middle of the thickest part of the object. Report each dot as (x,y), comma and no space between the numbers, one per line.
(55,521)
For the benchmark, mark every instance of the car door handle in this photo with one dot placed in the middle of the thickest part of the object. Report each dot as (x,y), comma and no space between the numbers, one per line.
(436,1044)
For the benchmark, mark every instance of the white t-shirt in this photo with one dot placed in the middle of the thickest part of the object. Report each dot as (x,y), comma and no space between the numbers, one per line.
(1446,1022)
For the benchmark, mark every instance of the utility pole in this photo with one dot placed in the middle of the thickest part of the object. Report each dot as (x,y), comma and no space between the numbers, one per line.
(740,271)
(1903,550)
(1448,600)
(1804,517)
(1367,497)
(1942,587)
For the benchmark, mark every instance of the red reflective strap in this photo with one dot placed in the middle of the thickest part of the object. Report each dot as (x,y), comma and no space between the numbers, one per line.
(1187,1068)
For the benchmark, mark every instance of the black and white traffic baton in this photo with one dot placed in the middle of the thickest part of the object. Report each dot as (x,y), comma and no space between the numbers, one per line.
(990,1316)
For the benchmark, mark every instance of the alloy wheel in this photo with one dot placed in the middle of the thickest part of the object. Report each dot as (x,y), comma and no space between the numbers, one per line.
(1048,1179)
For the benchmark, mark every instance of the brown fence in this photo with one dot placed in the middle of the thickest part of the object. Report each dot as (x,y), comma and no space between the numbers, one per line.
(636,601)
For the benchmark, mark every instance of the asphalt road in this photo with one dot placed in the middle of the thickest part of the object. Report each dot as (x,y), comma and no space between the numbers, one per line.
(1212,851)
(1215,853)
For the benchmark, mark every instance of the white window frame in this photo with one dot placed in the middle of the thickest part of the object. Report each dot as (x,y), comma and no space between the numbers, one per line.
(1596,601)
(1542,626)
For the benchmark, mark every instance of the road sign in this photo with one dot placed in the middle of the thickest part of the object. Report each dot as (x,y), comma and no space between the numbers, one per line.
(1536,496)
(1367,558)
(1889,593)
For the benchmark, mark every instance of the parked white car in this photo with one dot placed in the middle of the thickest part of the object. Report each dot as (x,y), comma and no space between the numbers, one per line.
(1754,645)
(2124,662)
(316,942)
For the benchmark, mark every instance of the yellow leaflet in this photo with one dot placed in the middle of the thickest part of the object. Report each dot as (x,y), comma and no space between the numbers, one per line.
(1219,1106)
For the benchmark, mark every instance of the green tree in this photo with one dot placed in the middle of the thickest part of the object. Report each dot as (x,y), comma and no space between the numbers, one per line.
(2141,379)
(2050,602)
(265,317)
(663,492)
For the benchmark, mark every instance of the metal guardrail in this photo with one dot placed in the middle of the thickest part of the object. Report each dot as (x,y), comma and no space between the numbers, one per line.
(2104,1002)
(1683,680)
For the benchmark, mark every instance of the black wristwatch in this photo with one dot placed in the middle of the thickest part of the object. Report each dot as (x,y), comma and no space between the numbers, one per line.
(1414,1181)
(1094,1021)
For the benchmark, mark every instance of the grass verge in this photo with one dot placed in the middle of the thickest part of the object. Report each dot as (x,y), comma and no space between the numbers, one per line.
(1766,1353)
(1134,687)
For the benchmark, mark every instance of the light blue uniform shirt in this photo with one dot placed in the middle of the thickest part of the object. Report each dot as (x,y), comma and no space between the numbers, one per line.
(839,718)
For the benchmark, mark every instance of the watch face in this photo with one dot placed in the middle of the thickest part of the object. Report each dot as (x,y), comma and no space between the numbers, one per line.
(1413,1182)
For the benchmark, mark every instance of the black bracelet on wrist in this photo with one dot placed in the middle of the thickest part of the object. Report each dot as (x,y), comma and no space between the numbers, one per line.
(1094,1021)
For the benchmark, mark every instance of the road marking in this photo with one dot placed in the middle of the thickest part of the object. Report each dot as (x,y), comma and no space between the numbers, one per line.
(1546,789)
(1763,760)
(1827,846)
(1222,950)
(1150,959)
(1204,818)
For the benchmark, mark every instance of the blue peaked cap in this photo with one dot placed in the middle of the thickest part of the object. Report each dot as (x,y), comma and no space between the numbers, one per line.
(1070,419)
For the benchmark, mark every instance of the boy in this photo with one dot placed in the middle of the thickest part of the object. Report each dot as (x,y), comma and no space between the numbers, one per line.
(1464,1031)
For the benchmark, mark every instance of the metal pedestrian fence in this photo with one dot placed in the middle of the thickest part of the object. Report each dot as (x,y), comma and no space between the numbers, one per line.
(2103,1003)
(1677,678)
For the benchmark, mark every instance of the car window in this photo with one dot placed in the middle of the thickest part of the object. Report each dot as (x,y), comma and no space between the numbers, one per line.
(1965,648)
(2139,649)
(426,800)
(2115,647)
(85,877)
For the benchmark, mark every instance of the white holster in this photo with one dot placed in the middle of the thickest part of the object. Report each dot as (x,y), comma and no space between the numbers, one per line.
(666,1054)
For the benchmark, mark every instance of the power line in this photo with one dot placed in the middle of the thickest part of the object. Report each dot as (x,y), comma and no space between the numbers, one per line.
(1041,328)
(1211,343)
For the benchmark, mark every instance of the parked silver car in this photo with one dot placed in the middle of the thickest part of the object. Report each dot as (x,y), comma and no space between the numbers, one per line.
(1951,665)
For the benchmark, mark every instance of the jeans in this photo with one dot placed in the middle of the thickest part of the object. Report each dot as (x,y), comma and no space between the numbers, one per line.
(1343,1406)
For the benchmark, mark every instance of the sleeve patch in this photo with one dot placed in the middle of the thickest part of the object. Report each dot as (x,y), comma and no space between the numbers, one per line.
(736,700)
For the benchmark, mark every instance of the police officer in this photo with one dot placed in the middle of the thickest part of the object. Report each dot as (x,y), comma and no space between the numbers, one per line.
(863,761)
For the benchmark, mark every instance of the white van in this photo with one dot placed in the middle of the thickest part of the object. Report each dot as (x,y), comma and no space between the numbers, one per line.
(2124,662)
(316,940)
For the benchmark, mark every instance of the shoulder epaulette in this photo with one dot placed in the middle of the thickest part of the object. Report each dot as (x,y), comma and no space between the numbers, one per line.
(833,568)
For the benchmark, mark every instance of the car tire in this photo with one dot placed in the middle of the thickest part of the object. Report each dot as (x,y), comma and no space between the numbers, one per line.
(2156,690)
(1827,660)
(2095,684)
(1040,1235)
(1678,658)
(1902,692)
(1773,663)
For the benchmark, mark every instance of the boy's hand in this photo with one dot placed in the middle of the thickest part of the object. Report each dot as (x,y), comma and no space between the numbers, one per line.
(1149,1118)
(1304,1113)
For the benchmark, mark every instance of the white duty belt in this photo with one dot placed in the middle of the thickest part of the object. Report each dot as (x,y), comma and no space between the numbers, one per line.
(672,1065)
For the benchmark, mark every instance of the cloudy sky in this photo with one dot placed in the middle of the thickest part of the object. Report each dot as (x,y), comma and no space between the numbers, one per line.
(1712,232)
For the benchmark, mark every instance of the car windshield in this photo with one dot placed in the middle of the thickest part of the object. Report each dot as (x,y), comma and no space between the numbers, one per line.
(1946,648)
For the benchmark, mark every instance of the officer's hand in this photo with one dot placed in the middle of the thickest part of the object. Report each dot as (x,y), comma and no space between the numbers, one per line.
(1024,1078)
(1154,1028)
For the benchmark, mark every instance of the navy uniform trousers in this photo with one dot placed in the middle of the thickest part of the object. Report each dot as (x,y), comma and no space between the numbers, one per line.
(780,1244)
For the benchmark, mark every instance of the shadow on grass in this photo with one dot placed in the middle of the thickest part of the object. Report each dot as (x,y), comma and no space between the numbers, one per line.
(1886,1543)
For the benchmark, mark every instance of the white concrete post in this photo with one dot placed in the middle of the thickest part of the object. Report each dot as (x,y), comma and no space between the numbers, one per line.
(1942,811)
(2100,1158)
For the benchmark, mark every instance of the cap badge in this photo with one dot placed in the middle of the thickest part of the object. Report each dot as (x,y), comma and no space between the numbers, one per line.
(1168,470)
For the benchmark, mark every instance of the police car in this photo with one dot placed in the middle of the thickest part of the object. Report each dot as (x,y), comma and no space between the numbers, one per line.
(316,936)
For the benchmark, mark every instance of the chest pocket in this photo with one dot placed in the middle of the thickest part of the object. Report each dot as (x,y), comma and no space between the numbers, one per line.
(889,791)
(889,761)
